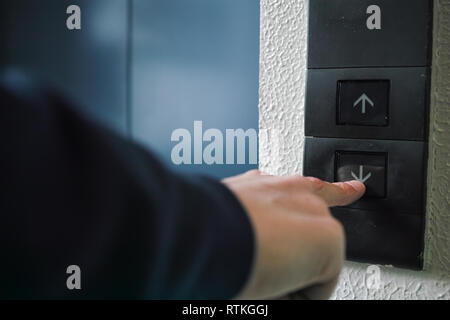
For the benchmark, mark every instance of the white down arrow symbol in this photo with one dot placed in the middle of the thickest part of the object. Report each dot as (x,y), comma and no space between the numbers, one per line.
(361,178)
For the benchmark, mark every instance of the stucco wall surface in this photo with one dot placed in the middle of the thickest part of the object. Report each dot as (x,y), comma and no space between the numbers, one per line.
(282,91)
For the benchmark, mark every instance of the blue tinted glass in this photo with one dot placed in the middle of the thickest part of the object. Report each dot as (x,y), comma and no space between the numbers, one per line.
(194,60)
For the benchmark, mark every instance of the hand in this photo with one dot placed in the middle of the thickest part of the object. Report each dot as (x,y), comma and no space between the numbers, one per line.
(299,244)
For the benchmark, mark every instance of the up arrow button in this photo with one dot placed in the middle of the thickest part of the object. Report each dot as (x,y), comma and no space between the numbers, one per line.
(363,102)
(363,99)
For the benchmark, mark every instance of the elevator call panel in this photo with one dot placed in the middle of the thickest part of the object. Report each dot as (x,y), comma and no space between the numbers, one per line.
(366,118)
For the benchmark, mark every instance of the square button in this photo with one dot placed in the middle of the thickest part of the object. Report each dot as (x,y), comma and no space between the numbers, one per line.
(369,168)
(363,102)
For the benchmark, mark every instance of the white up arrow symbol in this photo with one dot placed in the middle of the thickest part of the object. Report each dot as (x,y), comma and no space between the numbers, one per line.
(361,178)
(363,98)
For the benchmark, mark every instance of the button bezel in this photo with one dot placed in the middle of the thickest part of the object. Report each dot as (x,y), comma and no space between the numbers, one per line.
(405,162)
(408,101)
(339,154)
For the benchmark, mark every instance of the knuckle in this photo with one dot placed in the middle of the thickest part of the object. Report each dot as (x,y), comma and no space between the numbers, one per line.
(316,184)
(293,181)
(277,198)
(344,191)
(335,248)
(337,228)
(315,202)
(253,172)
(336,233)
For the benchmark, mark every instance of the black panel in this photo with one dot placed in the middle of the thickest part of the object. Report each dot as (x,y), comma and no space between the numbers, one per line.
(366,118)
(407,103)
(339,36)
(374,237)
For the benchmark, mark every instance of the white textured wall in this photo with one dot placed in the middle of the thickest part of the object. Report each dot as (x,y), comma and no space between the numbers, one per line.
(281,106)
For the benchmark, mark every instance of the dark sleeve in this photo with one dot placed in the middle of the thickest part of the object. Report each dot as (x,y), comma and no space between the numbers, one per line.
(72,193)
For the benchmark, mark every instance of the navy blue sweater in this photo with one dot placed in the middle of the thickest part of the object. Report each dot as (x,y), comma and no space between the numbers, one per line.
(74,193)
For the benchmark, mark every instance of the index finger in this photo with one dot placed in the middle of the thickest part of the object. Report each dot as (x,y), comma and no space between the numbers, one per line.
(337,193)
